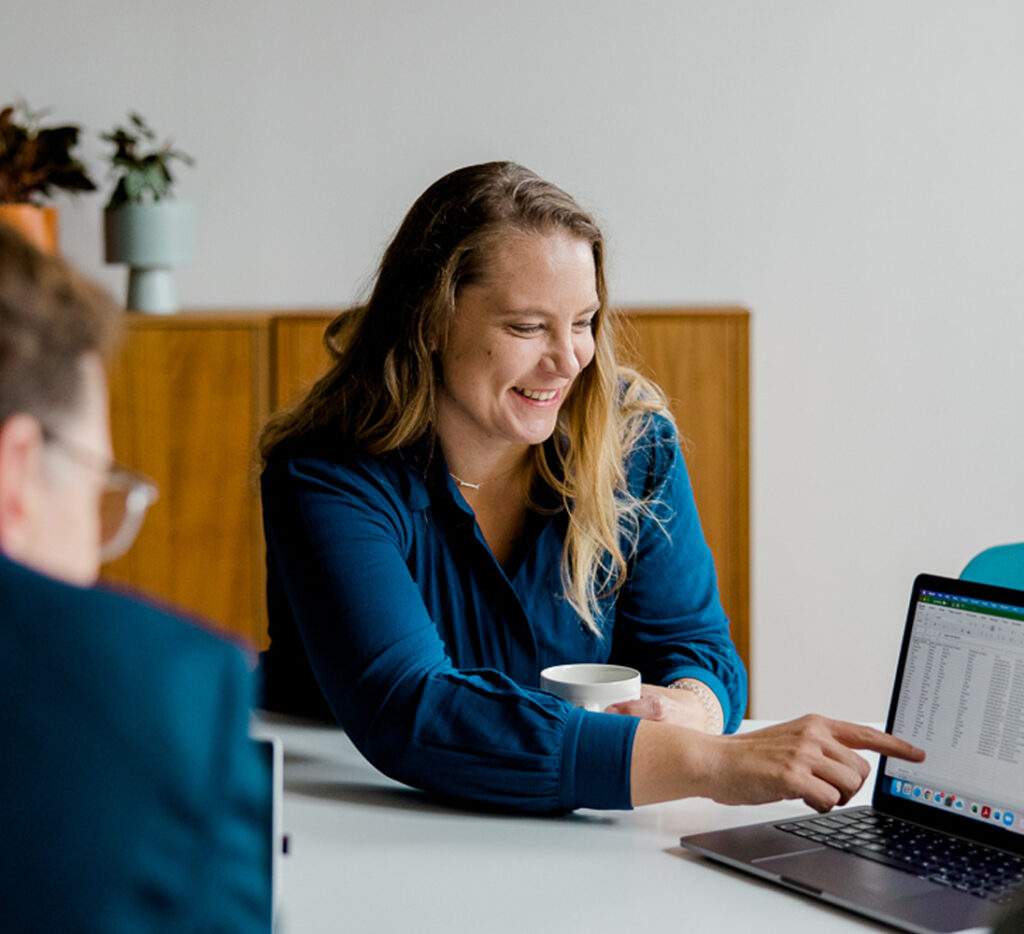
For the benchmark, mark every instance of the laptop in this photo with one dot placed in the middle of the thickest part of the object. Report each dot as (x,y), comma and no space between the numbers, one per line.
(271,751)
(942,846)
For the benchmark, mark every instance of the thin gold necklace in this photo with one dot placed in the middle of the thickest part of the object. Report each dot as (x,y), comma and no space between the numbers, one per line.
(465,484)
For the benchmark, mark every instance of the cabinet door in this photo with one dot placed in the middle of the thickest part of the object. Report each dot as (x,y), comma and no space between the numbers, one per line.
(299,355)
(700,359)
(188,397)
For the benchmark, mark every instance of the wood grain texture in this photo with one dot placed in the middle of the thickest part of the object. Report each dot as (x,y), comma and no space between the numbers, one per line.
(187,399)
(700,358)
(300,357)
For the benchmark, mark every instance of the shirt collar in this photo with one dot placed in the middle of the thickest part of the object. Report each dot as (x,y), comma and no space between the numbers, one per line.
(430,484)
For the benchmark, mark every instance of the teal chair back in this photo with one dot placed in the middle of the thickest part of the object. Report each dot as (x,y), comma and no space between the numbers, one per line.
(1002,565)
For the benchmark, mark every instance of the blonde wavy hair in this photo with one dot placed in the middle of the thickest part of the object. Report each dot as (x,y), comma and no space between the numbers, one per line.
(381,392)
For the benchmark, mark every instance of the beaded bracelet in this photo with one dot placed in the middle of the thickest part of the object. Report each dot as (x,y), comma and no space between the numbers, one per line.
(704,694)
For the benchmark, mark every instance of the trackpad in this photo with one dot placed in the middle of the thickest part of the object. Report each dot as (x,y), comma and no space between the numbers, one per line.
(838,873)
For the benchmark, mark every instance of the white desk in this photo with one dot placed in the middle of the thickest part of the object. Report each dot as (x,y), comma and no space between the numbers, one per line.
(370,855)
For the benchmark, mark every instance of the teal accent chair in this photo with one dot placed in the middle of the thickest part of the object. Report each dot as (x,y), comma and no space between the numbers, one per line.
(1002,565)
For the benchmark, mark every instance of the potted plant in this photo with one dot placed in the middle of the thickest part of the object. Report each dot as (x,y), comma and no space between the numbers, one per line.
(143,226)
(34,162)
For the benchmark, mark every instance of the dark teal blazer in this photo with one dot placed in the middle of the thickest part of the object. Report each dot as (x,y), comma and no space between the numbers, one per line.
(131,799)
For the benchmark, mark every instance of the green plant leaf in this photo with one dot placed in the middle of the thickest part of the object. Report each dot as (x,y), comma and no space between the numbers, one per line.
(140,175)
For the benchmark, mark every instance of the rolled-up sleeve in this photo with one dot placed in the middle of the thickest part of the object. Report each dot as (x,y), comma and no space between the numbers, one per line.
(337,539)
(669,620)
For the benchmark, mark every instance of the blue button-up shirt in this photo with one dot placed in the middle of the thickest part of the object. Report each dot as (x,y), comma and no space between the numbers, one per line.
(385,600)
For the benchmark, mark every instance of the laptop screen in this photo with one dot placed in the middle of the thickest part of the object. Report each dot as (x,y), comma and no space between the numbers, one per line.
(960,697)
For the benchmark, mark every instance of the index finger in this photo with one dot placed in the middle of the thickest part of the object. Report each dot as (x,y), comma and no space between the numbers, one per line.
(857,736)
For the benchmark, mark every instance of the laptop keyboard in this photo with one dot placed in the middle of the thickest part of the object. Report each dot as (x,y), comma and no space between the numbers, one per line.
(970,867)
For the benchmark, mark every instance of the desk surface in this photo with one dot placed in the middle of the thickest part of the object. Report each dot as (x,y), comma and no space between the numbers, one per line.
(368,854)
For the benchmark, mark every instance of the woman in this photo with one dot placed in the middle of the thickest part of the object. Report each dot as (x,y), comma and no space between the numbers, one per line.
(475,491)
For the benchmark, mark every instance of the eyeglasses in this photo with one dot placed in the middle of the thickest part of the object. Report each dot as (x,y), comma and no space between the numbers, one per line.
(125,497)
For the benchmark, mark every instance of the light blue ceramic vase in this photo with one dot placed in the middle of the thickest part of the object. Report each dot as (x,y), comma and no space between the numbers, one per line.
(152,239)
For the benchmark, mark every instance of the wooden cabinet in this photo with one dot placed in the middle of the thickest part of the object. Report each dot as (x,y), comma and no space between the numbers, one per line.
(700,358)
(189,394)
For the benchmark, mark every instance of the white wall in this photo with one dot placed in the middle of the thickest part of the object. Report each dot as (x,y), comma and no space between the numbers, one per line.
(851,171)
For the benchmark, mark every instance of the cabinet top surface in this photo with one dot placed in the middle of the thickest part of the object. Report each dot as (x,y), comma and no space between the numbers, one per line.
(243,318)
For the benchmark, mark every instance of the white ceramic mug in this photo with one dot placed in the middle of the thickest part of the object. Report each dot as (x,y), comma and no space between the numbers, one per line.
(592,686)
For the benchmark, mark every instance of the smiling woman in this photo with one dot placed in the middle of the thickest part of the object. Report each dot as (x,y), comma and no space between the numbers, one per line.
(477,491)
(493,265)
(518,339)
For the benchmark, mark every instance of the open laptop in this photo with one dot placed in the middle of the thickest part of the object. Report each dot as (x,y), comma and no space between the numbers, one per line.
(942,846)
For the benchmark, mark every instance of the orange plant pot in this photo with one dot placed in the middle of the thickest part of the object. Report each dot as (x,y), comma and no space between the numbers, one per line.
(37,225)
